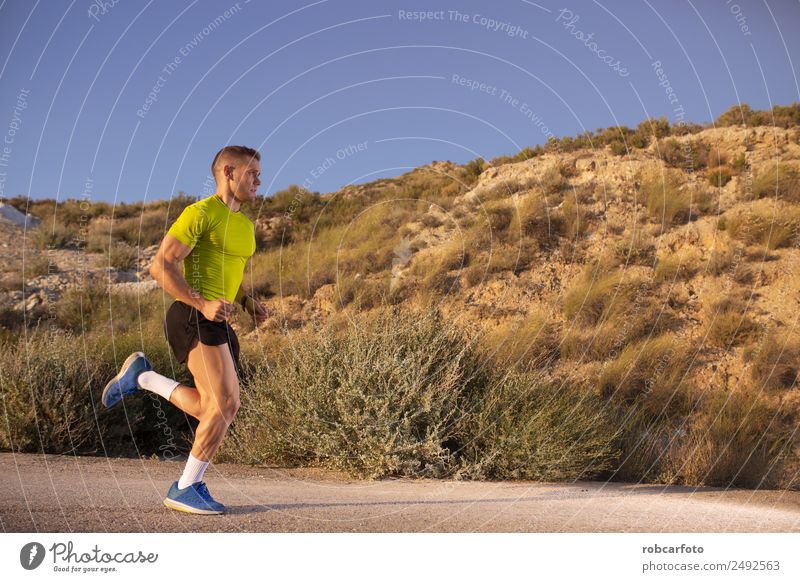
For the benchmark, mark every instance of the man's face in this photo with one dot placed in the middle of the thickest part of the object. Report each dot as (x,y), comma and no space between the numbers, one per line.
(245,179)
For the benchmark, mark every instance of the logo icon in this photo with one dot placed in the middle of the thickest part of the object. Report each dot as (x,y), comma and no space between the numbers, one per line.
(31,555)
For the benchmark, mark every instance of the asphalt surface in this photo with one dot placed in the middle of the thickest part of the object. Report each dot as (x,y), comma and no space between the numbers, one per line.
(93,494)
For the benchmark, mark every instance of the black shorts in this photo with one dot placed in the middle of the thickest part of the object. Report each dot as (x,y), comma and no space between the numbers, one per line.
(183,323)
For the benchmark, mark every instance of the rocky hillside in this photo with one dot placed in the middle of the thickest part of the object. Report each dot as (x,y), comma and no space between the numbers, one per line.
(653,270)
(550,256)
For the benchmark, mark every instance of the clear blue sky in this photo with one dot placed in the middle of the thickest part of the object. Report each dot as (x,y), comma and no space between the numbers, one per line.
(306,83)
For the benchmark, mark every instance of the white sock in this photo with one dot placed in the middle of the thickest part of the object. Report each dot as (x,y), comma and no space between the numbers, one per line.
(193,472)
(155,382)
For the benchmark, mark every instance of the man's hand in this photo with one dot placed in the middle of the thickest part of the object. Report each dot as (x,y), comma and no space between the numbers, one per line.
(217,310)
(257,311)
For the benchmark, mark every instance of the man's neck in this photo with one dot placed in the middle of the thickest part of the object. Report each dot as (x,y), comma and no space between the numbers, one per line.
(229,199)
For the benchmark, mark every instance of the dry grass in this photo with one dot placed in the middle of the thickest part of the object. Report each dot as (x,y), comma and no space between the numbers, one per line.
(590,301)
(576,218)
(728,322)
(774,360)
(531,426)
(535,220)
(765,222)
(679,266)
(777,181)
(636,247)
(736,439)
(663,194)
(650,373)
(525,344)
(647,316)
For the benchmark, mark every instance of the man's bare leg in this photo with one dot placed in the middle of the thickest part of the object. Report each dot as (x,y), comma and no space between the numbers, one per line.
(218,396)
(187,399)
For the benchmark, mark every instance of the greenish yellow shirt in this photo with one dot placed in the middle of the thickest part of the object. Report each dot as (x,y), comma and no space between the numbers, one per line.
(221,241)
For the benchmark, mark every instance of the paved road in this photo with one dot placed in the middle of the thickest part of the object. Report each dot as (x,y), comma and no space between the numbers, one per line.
(90,494)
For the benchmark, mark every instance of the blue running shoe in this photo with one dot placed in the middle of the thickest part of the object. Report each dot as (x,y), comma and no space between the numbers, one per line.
(124,383)
(193,499)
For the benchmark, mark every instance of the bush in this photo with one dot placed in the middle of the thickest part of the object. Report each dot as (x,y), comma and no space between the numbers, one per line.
(729,325)
(765,222)
(525,344)
(531,426)
(687,155)
(719,176)
(663,194)
(774,362)
(780,181)
(392,404)
(123,257)
(679,266)
(53,235)
(554,180)
(144,230)
(650,374)
(473,170)
(735,439)
(51,383)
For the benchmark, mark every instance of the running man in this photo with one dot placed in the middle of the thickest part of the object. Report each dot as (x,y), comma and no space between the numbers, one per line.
(201,263)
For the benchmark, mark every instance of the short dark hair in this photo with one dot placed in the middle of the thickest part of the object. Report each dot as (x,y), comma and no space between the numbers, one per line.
(234,151)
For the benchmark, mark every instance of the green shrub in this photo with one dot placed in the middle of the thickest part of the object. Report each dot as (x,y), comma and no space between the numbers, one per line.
(531,426)
(391,405)
(50,383)
(123,257)
(473,169)
(53,235)
(688,155)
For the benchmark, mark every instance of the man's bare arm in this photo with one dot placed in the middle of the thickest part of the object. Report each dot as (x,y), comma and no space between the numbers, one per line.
(241,296)
(167,271)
